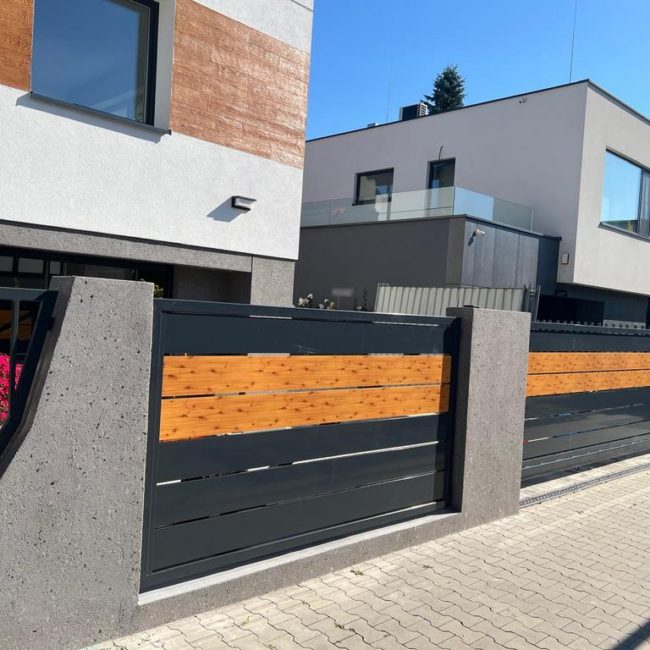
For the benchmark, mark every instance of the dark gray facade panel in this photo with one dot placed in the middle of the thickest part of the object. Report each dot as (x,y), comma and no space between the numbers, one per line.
(426,253)
(479,248)
(455,247)
(355,258)
(527,262)
(506,258)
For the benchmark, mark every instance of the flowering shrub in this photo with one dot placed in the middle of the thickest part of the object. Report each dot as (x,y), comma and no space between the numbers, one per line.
(4,385)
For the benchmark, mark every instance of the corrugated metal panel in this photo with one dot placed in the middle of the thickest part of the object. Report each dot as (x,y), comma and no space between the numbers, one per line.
(434,301)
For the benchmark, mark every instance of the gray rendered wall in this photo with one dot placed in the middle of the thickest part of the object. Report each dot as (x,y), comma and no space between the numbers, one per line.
(71,500)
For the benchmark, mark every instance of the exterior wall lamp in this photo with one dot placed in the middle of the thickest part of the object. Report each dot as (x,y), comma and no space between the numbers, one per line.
(242,203)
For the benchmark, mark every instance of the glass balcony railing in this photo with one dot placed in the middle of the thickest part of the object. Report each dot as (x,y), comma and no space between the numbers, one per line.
(442,202)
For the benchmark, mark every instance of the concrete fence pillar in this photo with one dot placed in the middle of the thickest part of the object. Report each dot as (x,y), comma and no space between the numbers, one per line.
(71,499)
(489,418)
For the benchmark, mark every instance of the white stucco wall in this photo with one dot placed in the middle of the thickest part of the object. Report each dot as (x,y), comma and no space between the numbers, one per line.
(63,168)
(526,149)
(605,258)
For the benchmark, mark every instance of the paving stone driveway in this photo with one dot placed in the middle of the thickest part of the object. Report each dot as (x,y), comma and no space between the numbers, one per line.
(573,572)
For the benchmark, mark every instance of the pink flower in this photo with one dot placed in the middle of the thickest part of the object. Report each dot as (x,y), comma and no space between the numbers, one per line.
(4,385)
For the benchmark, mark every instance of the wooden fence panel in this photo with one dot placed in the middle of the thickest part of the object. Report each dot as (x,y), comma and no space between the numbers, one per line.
(588,398)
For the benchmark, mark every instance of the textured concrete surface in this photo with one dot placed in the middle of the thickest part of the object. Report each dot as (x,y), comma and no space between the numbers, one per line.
(71,500)
(490,399)
(568,573)
(272,282)
(86,243)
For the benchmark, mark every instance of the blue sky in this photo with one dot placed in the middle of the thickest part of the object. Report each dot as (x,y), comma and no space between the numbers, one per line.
(361,48)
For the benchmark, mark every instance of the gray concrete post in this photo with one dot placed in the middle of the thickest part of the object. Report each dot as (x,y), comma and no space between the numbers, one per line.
(489,422)
(71,500)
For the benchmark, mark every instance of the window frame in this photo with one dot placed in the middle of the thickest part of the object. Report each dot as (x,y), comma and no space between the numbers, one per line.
(644,171)
(151,73)
(430,166)
(357,186)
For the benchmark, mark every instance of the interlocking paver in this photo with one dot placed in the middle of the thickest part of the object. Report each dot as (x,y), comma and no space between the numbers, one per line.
(571,572)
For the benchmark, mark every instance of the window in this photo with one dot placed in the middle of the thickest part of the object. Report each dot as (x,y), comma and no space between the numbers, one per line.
(370,185)
(100,54)
(441,173)
(626,196)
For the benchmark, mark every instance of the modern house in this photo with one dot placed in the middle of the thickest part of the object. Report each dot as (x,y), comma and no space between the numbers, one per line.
(569,164)
(160,140)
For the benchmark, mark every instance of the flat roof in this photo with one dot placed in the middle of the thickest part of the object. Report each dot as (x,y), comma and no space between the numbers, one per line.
(594,86)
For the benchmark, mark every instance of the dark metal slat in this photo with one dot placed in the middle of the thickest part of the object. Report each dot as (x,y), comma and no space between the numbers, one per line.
(589,340)
(224,454)
(549,405)
(209,497)
(206,566)
(584,439)
(589,421)
(547,466)
(217,535)
(196,334)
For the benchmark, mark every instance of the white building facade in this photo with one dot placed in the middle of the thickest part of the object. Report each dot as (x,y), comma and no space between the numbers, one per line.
(574,154)
(127,129)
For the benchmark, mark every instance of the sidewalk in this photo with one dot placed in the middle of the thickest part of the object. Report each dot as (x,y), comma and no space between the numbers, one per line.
(572,572)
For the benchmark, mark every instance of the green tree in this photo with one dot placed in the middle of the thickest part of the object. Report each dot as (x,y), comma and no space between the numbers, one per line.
(448,91)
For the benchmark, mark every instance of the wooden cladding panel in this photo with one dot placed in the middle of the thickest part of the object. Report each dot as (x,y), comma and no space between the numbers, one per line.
(16,21)
(564,362)
(238,87)
(205,416)
(210,375)
(558,373)
(584,382)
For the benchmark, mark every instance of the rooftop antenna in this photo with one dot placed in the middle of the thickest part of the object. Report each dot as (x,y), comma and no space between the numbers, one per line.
(573,38)
(390,81)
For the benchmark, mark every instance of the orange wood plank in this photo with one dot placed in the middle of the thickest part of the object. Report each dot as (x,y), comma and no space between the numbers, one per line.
(582,382)
(563,362)
(196,417)
(16,24)
(211,375)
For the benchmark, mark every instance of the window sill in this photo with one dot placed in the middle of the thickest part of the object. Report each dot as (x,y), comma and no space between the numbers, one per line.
(101,114)
(620,231)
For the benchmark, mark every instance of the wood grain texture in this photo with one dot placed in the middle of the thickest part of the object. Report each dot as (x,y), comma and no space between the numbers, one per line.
(186,418)
(584,382)
(212,375)
(564,362)
(16,23)
(237,87)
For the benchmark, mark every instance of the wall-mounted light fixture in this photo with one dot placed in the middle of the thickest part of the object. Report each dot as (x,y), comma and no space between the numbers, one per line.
(564,258)
(242,203)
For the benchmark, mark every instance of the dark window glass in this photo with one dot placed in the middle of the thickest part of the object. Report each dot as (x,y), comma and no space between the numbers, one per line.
(371,185)
(31,266)
(441,174)
(96,53)
(621,193)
